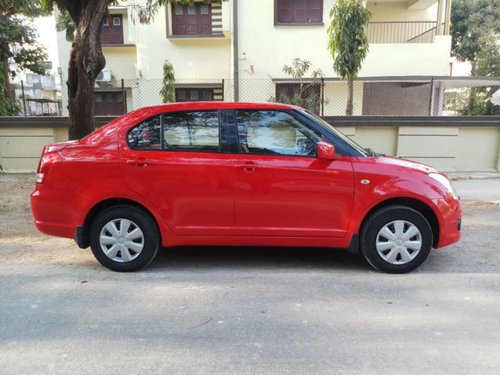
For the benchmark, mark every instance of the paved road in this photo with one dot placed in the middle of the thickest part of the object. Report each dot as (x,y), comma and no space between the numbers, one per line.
(253,311)
(486,190)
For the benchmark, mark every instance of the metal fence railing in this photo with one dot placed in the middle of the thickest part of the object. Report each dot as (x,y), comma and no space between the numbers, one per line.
(401,32)
(372,96)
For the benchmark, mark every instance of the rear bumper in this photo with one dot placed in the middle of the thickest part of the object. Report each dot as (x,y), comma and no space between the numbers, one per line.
(53,213)
(450,222)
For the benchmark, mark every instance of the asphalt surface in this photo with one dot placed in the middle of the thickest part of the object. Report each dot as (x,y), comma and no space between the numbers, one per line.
(484,190)
(255,311)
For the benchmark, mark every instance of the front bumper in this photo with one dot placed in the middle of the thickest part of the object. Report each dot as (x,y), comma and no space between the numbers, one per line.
(450,221)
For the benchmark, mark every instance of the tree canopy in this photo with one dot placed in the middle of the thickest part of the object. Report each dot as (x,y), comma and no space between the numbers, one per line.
(473,23)
(475,31)
(167,91)
(82,20)
(347,41)
(18,44)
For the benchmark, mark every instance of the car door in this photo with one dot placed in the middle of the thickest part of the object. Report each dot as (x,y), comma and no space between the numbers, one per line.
(281,188)
(174,161)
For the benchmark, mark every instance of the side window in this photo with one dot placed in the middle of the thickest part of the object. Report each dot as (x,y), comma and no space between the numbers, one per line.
(191,131)
(275,133)
(146,135)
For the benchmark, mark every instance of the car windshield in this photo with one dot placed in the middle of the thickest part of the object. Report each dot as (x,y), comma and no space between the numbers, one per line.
(345,138)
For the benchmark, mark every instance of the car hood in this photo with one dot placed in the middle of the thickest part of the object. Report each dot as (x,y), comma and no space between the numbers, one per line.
(406,164)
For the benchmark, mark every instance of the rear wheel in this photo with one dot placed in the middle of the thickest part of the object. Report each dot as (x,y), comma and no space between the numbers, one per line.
(124,238)
(396,239)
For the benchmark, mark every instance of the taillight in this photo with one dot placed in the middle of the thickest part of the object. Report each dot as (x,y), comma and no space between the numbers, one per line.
(50,155)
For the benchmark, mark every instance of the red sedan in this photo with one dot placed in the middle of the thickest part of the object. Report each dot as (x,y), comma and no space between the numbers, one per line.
(239,174)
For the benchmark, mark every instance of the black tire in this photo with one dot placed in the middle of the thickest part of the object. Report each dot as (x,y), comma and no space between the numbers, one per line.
(150,240)
(385,217)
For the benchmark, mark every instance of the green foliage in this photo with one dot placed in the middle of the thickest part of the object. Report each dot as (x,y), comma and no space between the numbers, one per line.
(68,14)
(482,106)
(8,107)
(487,64)
(473,21)
(65,23)
(168,88)
(18,41)
(27,8)
(300,68)
(475,31)
(304,93)
(488,59)
(347,40)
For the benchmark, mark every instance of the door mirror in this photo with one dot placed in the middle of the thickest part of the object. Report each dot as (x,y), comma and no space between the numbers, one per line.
(325,151)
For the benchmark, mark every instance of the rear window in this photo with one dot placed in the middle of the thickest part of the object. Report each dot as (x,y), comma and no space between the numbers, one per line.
(193,131)
(179,131)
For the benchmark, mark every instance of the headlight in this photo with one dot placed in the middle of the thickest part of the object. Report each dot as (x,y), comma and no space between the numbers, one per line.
(445,182)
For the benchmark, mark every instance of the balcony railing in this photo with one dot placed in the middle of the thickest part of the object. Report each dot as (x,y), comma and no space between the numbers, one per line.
(401,32)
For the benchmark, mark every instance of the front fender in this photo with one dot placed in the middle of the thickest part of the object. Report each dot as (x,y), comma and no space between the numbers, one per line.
(369,196)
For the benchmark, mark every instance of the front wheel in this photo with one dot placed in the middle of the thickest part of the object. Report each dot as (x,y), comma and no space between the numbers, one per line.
(396,239)
(124,238)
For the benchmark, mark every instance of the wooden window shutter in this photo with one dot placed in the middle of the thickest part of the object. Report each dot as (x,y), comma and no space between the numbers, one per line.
(285,13)
(300,11)
(315,11)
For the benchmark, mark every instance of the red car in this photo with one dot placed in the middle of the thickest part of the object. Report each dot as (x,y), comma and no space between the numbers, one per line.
(239,174)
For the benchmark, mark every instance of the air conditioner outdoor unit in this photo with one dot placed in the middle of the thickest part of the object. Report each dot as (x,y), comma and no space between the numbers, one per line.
(104,76)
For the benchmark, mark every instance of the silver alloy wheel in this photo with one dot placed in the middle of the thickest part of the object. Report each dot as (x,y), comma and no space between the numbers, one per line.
(398,242)
(121,240)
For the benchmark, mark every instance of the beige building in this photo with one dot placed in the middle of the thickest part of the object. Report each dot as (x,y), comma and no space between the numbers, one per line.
(236,50)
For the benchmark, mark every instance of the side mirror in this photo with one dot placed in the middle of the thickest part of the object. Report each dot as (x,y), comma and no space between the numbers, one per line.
(325,151)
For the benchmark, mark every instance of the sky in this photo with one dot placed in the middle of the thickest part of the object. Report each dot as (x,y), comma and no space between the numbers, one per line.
(47,36)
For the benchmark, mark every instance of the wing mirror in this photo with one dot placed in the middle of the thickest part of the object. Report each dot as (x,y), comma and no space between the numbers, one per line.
(325,151)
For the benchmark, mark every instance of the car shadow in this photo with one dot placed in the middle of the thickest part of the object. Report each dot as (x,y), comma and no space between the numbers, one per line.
(257,257)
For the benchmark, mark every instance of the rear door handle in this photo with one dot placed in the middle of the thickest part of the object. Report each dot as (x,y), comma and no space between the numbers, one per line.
(247,166)
(140,162)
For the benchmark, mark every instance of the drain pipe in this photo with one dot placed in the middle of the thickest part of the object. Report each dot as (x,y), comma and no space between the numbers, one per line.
(236,72)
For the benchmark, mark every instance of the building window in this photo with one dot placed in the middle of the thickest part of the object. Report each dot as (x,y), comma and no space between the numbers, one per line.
(112,30)
(192,20)
(108,103)
(194,94)
(306,95)
(299,12)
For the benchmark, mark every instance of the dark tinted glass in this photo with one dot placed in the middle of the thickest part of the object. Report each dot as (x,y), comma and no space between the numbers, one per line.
(193,131)
(146,135)
(275,133)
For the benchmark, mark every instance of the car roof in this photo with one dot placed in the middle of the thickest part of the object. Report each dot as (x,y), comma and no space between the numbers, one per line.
(185,106)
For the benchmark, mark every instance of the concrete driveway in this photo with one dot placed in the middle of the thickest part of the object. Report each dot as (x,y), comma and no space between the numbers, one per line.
(248,310)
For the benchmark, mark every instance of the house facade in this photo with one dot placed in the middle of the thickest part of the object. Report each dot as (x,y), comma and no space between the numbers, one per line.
(236,50)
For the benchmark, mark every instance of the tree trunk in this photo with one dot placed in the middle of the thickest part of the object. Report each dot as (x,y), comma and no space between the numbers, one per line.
(350,93)
(4,60)
(86,62)
(472,93)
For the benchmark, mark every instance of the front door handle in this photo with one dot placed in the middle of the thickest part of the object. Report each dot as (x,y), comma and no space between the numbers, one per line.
(247,166)
(139,162)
